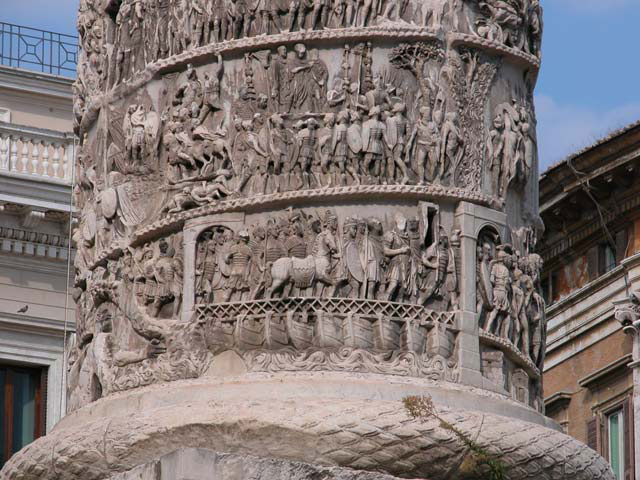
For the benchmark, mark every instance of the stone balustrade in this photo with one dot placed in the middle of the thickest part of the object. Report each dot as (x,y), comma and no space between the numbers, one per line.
(41,154)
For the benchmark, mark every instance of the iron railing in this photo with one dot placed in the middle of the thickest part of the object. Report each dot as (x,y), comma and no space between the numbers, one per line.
(40,50)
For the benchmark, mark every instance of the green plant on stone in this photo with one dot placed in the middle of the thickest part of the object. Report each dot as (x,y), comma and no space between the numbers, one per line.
(478,463)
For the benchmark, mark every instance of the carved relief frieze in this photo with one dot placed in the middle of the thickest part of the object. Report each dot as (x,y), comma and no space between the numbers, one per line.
(281,180)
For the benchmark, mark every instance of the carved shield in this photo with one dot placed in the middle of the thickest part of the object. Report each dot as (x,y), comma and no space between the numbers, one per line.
(354,138)
(90,226)
(109,200)
(354,264)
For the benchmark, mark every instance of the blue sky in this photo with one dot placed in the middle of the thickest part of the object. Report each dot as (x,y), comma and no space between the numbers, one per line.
(588,86)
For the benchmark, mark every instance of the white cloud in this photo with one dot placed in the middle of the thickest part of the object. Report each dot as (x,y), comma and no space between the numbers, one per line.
(565,129)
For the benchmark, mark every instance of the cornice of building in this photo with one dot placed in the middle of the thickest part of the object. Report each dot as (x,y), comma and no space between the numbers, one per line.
(35,82)
(36,192)
(40,326)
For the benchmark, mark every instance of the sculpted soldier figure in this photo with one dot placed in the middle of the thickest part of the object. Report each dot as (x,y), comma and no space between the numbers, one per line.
(396,136)
(135,138)
(371,253)
(353,266)
(437,258)
(416,271)
(340,150)
(307,151)
(373,131)
(398,253)
(325,138)
(123,41)
(354,139)
(536,316)
(199,22)
(280,90)
(189,94)
(499,319)
(239,258)
(162,36)
(326,251)
(451,151)
(519,303)
(320,14)
(422,143)
(495,152)
(211,88)
(164,274)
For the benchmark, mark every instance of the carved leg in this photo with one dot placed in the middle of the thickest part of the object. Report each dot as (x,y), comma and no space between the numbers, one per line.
(506,327)
(524,327)
(490,321)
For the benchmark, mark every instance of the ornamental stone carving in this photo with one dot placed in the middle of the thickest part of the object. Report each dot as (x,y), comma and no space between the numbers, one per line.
(295,212)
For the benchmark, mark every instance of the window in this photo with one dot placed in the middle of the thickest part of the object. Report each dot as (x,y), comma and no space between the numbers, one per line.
(615,439)
(22,408)
(606,258)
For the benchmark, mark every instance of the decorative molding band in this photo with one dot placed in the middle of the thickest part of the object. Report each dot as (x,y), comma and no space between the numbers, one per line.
(34,244)
(517,56)
(510,350)
(173,222)
(595,379)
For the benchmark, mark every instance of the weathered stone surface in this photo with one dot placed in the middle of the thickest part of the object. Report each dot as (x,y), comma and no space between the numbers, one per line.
(199,464)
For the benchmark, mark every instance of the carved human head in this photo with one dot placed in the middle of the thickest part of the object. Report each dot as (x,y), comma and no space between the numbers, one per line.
(399,107)
(343,116)
(258,120)
(263,101)
(329,120)
(191,73)
(355,116)
(413,224)
(316,225)
(276,120)
(350,227)
(163,246)
(498,121)
(282,51)
(243,236)
(374,112)
(375,225)
(300,49)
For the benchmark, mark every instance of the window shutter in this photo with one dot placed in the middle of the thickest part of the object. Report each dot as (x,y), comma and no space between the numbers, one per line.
(629,461)
(621,245)
(44,396)
(592,434)
(592,263)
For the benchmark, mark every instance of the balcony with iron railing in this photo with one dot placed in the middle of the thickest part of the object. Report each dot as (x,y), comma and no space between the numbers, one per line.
(36,164)
(38,50)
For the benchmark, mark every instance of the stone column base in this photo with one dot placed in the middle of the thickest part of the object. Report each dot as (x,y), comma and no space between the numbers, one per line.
(201,464)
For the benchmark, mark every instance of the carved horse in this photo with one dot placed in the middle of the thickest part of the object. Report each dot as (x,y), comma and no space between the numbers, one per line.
(302,272)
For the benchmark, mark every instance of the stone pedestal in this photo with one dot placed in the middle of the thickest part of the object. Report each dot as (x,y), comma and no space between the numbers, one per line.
(293,216)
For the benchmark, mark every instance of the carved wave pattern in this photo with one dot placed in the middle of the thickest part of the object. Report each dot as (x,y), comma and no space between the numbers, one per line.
(400,363)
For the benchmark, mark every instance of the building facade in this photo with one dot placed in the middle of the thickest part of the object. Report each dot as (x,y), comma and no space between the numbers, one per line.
(591,247)
(37,149)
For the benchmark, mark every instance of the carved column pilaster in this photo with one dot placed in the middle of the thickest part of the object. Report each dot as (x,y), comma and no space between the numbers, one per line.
(631,326)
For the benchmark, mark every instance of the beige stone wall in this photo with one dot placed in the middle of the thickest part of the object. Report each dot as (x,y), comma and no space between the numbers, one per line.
(37,100)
